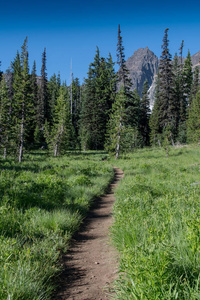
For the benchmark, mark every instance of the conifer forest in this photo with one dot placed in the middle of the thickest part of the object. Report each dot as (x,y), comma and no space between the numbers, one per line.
(58,146)
(102,113)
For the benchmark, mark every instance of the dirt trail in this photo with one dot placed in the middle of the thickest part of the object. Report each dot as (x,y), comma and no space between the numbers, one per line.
(91,263)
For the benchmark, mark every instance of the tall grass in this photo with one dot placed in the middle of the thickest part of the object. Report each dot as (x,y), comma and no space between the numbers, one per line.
(43,202)
(157,225)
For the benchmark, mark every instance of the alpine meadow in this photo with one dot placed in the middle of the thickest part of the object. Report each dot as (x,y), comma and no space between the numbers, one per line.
(59,144)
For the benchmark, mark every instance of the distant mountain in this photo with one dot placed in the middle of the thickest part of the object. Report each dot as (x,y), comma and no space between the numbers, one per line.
(196,59)
(143,65)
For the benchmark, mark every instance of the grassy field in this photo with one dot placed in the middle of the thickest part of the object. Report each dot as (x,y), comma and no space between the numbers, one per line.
(43,202)
(157,225)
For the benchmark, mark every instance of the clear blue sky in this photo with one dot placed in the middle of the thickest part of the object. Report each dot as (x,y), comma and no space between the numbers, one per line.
(71,30)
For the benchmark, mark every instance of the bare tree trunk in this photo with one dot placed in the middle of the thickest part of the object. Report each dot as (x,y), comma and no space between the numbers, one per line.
(58,140)
(4,153)
(173,144)
(56,150)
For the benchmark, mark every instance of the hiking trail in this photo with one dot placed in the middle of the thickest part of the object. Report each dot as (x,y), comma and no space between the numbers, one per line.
(90,265)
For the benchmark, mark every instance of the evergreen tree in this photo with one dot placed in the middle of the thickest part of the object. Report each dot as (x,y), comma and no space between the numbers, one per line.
(145,115)
(187,85)
(88,114)
(168,104)
(97,99)
(1,73)
(32,121)
(53,93)
(5,118)
(123,73)
(76,107)
(193,122)
(112,82)
(178,96)
(132,100)
(43,107)
(116,124)
(181,53)
(21,97)
(59,136)
(195,84)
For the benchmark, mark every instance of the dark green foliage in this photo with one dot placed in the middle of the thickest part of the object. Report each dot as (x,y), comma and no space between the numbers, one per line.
(43,107)
(97,99)
(116,124)
(167,103)
(187,85)
(59,136)
(179,100)
(145,115)
(32,121)
(195,84)
(53,93)
(193,122)
(5,118)
(123,73)
(21,99)
(76,109)
(1,73)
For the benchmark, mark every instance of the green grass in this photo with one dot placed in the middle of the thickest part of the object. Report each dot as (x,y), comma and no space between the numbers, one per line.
(43,202)
(157,225)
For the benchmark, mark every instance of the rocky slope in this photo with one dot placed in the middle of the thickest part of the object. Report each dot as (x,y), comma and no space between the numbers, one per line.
(143,65)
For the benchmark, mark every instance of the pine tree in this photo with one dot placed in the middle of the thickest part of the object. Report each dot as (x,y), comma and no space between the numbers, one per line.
(53,93)
(181,53)
(116,124)
(97,98)
(195,85)
(145,115)
(168,105)
(5,118)
(193,122)
(88,134)
(123,73)
(187,85)
(178,96)
(166,83)
(76,108)
(32,121)
(21,97)
(1,73)
(59,136)
(43,107)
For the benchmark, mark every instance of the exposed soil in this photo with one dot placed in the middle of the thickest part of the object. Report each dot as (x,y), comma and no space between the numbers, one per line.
(91,262)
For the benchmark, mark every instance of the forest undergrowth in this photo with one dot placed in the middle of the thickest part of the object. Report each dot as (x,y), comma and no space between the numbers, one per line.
(43,202)
(157,224)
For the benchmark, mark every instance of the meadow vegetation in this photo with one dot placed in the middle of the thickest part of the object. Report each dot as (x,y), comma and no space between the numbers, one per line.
(43,202)
(157,224)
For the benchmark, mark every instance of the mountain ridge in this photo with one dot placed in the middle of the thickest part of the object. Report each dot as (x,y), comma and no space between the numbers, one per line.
(143,65)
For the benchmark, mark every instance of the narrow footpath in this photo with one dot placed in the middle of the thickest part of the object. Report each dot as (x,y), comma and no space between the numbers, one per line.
(91,263)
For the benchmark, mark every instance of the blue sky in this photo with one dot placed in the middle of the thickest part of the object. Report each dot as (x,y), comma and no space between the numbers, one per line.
(71,30)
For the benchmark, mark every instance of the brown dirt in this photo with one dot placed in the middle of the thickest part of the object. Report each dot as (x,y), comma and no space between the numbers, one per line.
(91,262)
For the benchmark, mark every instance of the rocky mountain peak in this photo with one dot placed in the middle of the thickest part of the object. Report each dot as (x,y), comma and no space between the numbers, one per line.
(142,65)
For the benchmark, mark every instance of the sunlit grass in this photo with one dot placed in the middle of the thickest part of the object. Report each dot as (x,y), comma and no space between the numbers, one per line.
(157,225)
(43,202)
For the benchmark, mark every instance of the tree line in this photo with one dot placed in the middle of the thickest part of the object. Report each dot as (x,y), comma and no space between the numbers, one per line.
(103,112)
